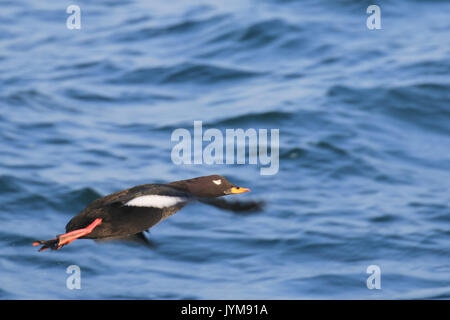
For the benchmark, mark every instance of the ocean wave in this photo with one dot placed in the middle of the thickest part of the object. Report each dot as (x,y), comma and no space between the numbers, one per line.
(424,104)
(175,29)
(363,165)
(79,197)
(273,118)
(256,34)
(187,73)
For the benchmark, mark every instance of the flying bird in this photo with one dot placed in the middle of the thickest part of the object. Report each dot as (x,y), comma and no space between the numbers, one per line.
(129,212)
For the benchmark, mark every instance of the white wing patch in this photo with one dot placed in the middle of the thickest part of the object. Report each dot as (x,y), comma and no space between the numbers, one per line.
(155,201)
(218,182)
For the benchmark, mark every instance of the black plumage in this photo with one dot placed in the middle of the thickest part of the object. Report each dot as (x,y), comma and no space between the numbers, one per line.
(129,212)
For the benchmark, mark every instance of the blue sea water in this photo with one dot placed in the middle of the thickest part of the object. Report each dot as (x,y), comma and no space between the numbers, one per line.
(364,163)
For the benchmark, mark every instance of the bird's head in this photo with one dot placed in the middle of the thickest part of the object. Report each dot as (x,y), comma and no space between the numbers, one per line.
(209,186)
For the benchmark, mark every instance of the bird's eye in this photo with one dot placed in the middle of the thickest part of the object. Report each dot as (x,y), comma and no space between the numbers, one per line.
(218,182)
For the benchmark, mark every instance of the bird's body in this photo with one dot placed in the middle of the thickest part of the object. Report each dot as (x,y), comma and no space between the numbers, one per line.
(131,211)
(120,219)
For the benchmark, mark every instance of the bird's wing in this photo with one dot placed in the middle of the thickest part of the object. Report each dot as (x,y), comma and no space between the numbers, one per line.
(139,238)
(235,206)
(144,195)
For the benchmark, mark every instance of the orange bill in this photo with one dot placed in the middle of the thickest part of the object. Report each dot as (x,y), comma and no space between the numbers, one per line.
(239,190)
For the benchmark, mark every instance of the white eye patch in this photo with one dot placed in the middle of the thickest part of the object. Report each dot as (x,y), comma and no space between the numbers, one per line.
(155,201)
(218,182)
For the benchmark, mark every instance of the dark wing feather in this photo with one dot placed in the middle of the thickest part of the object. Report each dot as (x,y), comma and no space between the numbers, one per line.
(121,220)
(235,206)
(138,238)
(122,197)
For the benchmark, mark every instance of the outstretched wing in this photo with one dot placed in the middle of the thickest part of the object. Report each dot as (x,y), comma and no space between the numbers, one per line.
(235,206)
(131,211)
(146,195)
